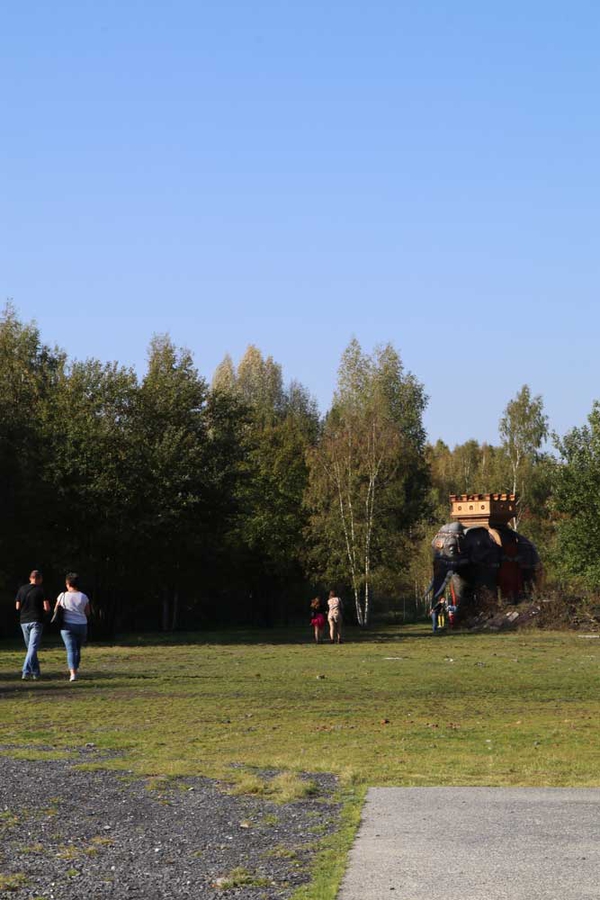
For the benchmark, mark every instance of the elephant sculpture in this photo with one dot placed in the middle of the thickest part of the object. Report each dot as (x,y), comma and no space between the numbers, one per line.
(480,554)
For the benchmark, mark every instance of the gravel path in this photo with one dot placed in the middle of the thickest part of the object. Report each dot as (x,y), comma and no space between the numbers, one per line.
(67,833)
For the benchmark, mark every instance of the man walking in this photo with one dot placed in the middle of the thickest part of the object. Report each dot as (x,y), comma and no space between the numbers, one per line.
(31,604)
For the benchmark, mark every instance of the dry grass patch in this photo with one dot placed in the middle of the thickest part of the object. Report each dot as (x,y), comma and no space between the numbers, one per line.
(283,788)
(241,877)
(11,883)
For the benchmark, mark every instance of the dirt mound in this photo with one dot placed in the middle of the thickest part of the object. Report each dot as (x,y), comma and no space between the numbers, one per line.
(550,612)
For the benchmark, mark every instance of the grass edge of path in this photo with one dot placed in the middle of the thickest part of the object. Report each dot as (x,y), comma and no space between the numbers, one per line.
(331,860)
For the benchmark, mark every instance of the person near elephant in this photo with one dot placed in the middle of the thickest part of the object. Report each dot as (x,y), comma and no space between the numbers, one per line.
(76,610)
(438,615)
(452,609)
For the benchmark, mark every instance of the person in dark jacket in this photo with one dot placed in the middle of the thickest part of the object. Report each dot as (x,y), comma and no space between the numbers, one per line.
(32,605)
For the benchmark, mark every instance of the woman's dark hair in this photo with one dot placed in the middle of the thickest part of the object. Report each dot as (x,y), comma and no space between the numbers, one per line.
(72,579)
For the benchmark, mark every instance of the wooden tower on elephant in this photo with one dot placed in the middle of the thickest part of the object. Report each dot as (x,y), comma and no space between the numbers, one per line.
(483,510)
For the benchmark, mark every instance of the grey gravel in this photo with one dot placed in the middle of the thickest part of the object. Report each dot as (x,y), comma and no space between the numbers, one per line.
(71,833)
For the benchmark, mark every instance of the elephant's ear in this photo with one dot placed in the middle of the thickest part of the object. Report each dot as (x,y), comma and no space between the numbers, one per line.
(527,551)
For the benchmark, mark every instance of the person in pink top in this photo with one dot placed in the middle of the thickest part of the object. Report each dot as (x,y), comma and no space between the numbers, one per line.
(317,619)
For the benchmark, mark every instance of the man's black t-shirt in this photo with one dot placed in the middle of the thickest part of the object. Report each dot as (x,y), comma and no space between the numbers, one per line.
(31,598)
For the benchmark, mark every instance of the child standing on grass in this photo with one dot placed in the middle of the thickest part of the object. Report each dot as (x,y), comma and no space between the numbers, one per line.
(317,619)
(438,615)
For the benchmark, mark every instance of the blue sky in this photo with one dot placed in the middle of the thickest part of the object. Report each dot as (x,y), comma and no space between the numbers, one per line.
(293,175)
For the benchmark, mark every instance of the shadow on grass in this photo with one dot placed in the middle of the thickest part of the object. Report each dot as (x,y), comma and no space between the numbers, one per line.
(12,683)
(258,637)
(265,637)
(297,636)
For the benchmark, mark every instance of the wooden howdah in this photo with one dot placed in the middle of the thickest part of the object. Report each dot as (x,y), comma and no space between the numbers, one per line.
(485,510)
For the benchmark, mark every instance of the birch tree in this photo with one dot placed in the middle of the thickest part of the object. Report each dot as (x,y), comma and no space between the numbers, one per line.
(367,472)
(523,429)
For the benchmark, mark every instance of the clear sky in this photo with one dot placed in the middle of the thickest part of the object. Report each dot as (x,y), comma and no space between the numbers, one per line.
(295,174)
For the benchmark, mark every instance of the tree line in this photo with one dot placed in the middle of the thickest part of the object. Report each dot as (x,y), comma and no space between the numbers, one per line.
(185,504)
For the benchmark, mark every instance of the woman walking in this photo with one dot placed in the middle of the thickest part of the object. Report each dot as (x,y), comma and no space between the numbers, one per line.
(76,609)
(335,609)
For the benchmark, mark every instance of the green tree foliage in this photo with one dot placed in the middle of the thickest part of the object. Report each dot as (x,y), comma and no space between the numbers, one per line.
(576,482)
(92,470)
(523,429)
(224,378)
(275,428)
(368,473)
(470,468)
(259,384)
(181,504)
(29,371)
(171,429)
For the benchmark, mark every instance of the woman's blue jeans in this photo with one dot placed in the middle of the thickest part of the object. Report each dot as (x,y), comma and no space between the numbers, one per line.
(73,637)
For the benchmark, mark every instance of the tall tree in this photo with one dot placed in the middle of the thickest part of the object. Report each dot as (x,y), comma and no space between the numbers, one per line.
(172,431)
(224,378)
(259,383)
(523,429)
(95,474)
(576,502)
(368,471)
(29,370)
(275,427)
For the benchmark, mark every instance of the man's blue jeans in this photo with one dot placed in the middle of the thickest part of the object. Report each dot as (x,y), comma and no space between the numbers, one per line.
(73,637)
(32,635)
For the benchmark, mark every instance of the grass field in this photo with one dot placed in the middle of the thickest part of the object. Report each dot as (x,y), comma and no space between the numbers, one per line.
(396,707)
(388,707)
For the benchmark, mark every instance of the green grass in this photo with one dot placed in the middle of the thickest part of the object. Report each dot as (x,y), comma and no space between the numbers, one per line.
(402,708)
(393,707)
(330,863)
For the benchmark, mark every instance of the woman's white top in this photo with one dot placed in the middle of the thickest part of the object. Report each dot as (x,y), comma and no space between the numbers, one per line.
(74,604)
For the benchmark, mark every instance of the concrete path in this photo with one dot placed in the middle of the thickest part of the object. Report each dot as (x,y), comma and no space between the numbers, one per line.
(476,844)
